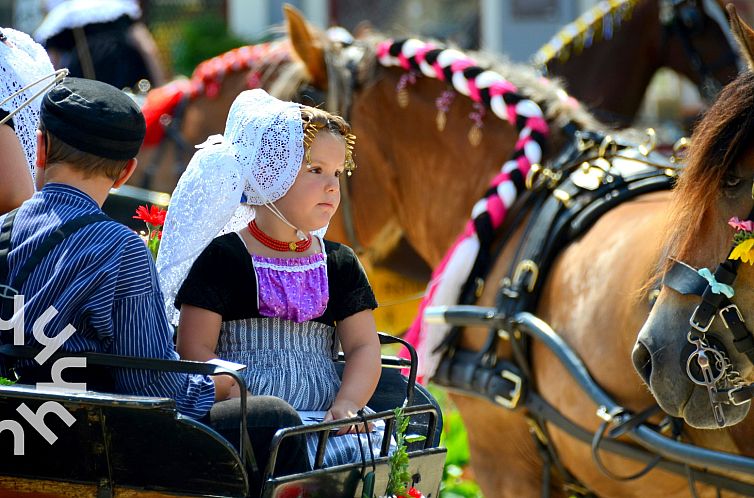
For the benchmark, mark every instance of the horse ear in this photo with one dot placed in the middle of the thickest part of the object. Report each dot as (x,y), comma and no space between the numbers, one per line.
(306,46)
(744,35)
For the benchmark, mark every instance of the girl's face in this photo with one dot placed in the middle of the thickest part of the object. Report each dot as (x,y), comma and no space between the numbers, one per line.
(315,195)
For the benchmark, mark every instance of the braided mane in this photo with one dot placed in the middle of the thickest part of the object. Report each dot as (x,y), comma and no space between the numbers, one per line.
(260,61)
(600,21)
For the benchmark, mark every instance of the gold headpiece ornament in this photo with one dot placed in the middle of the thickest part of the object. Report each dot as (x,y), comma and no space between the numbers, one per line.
(310,132)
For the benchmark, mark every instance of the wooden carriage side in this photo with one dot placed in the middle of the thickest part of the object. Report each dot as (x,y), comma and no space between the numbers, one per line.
(141,446)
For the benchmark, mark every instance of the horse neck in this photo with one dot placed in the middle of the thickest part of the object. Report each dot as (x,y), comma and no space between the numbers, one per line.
(611,76)
(375,230)
(431,177)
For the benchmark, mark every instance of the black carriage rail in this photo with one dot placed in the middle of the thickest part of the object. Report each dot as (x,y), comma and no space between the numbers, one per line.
(324,429)
(678,456)
(425,415)
(153,364)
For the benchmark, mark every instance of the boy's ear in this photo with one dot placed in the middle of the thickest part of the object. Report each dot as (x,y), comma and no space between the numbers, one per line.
(41,150)
(126,173)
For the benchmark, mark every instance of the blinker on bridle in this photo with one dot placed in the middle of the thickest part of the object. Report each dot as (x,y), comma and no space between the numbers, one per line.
(716,292)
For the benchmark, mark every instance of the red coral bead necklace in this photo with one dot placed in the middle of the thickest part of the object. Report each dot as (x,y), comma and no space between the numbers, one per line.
(278,245)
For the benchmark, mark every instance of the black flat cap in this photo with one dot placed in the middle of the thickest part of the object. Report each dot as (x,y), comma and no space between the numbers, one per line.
(94,117)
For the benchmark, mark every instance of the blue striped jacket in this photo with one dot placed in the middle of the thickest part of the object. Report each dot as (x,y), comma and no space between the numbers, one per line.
(102,281)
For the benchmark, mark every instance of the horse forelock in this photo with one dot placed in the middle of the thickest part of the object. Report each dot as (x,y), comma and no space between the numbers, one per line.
(717,143)
(290,78)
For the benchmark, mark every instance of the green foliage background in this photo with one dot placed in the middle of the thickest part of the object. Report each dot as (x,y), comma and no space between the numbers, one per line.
(454,438)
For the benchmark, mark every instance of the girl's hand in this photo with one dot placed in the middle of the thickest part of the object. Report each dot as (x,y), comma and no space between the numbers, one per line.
(345,409)
(235,391)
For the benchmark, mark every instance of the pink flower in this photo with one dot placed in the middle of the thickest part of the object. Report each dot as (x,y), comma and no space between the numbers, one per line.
(745,225)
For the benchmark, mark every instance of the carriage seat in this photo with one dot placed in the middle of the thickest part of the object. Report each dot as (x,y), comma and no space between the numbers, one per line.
(114,441)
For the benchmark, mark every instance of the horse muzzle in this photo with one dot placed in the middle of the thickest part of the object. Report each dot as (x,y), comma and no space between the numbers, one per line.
(667,367)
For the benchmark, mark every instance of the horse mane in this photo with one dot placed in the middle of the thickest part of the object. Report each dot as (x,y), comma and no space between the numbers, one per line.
(259,60)
(548,93)
(598,22)
(717,143)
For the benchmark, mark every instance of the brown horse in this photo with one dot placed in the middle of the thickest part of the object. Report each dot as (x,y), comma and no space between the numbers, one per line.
(216,82)
(716,187)
(598,54)
(184,113)
(595,295)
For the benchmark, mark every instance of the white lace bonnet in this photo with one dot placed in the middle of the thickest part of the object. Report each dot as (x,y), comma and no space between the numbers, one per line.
(79,13)
(257,159)
(22,62)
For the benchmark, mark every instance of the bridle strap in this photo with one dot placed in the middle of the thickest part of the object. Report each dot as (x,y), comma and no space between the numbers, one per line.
(684,279)
(342,76)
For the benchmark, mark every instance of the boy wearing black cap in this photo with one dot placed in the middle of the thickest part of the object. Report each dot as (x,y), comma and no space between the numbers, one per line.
(101,278)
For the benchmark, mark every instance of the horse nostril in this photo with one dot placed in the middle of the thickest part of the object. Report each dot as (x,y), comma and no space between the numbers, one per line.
(642,361)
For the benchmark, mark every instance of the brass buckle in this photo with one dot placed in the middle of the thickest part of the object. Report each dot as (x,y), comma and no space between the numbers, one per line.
(646,147)
(539,175)
(526,266)
(514,396)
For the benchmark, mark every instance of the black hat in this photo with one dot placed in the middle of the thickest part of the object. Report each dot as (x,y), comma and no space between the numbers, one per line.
(94,117)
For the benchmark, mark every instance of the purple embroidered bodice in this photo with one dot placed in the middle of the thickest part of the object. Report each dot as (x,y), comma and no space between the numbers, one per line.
(292,288)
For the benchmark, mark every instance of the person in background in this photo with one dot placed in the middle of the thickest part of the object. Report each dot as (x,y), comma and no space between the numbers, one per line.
(103,40)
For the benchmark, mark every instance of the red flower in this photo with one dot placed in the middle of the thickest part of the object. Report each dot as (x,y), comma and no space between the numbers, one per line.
(153,215)
(414,493)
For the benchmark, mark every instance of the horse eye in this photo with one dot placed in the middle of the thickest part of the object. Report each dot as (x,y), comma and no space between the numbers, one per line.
(730,182)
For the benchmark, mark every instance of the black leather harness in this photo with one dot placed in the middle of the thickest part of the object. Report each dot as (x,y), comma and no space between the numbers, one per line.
(562,209)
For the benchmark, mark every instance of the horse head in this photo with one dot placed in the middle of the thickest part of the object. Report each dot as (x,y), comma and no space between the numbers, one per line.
(608,56)
(696,42)
(695,365)
(425,128)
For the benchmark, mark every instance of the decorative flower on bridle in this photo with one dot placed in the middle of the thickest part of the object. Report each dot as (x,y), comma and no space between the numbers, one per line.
(743,239)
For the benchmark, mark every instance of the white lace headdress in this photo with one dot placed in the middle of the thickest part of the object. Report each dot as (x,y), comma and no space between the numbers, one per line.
(258,157)
(78,13)
(22,62)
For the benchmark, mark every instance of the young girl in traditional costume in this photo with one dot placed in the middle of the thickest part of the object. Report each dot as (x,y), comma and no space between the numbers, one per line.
(270,292)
